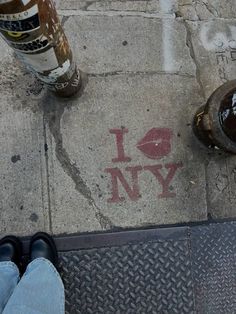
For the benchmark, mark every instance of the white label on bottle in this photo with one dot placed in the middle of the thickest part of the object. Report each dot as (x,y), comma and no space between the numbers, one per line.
(5,1)
(60,70)
(56,73)
(21,15)
(41,62)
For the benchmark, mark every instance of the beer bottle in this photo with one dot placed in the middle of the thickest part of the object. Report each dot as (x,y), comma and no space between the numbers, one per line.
(33,29)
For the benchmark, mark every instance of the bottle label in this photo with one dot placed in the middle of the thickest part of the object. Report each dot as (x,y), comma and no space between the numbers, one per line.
(20,22)
(32,46)
(5,1)
(41,62)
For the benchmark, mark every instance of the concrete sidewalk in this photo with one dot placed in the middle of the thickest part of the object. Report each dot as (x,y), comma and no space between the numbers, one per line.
(123,153)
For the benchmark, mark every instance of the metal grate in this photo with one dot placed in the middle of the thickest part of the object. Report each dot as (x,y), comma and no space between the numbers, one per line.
(175,270)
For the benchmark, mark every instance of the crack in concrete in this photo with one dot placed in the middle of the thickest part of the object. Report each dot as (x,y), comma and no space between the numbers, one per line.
(189,44)
(210,8)
(208,207)
(88,4)
(84,11)
(111,13)
(179,13)
(132,73)
(64,19)
(53,112)
(47,177)
(215,15)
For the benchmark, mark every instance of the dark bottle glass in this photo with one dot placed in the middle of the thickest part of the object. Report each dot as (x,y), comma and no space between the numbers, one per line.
(227,115)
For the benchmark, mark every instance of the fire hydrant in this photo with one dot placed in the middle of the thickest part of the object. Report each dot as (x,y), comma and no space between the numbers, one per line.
(215,123)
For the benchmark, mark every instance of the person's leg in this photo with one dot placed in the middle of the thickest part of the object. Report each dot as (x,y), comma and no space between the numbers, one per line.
(9,277)
(10,254)
(40,291)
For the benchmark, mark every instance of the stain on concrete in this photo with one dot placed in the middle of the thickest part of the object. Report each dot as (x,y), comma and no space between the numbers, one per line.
(15,158)
(53,110)
(45,147)
(25,89)
(34,217)
(35,88)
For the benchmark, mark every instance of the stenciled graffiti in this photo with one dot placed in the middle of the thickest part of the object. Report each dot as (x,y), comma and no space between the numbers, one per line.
(155,145)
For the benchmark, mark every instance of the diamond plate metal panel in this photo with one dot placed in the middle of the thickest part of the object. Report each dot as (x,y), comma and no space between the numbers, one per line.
(214,268)
(191,270)
(150,277)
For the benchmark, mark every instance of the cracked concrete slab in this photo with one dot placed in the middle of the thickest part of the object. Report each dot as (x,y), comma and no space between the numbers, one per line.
(207,9)
(221,178)
(87,151)
(23,192)
(93,163)
(70,211)
(139,6)
(214,46)
(104,44)
(190,9)
(151,6)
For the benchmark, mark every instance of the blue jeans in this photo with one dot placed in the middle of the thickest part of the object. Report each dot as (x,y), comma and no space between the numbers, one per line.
(40,290)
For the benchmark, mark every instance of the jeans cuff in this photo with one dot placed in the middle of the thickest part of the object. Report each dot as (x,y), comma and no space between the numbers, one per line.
(45,262)
(9,264)
(42,260)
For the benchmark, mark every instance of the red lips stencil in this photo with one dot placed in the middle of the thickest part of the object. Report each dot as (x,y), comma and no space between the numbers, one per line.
(156,143)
